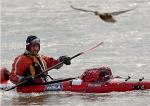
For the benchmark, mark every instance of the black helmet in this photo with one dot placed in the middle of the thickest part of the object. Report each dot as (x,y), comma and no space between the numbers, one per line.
(31,39)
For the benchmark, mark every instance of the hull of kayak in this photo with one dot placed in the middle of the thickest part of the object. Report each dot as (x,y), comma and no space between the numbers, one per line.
(77,85)
(117,85)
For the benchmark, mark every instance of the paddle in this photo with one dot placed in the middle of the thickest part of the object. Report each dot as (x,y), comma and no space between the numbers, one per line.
(58,81)
(60,63)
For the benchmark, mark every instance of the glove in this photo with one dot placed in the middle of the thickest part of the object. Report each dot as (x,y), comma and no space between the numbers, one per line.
(21,79)
(29,79)
(65,59)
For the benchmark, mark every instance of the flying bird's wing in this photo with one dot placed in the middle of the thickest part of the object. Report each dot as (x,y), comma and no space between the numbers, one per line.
(107,17)
(84,10)
(120,12)
(104,16)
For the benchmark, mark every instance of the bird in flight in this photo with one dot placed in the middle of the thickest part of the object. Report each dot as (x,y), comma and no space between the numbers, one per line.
(107,17)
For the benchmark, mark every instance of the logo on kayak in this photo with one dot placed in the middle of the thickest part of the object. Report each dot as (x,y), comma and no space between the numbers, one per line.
(94,85)
(54,87)
(139,87)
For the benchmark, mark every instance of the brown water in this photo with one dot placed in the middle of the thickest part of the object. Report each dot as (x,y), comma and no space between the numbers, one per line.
(65,31)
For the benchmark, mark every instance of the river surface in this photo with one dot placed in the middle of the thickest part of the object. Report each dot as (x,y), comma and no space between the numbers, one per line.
(64,31)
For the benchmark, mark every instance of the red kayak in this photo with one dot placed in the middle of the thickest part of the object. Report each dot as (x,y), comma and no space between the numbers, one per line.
(78,85)
(95,80)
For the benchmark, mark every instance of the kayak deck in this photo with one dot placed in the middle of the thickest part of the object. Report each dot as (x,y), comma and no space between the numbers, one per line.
(77,85)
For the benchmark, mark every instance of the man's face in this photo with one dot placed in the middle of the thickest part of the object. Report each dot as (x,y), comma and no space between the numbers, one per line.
(35,48)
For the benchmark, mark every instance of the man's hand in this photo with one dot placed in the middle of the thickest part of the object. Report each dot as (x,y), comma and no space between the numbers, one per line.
(21,79)
(29,79)
(65,59)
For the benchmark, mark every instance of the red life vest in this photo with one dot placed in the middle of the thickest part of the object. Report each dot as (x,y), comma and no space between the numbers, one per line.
(23,62)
